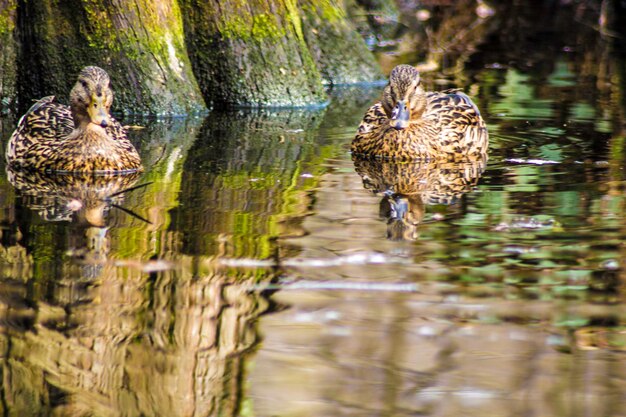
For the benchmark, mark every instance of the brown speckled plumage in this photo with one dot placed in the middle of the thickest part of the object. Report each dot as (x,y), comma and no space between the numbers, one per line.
(84,137)
(411,124)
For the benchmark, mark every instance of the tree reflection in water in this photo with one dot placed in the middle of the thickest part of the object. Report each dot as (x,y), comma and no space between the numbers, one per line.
(106,314)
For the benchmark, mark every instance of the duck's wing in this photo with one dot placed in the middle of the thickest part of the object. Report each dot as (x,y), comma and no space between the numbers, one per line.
(366,137)
(463,131)
(45,121)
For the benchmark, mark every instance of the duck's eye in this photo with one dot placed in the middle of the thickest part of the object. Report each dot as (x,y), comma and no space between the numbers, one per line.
(84,84)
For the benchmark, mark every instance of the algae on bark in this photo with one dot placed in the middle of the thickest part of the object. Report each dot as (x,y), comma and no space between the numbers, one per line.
(7,55)
(339,51)
(251,53)
(172,56)
(139,43)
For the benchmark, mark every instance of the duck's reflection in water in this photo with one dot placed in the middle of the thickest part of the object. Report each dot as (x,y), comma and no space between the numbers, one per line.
(84,200)
(407,188)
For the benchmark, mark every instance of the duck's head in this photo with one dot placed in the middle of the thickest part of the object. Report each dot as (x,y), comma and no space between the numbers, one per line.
(91,98)
(403,98)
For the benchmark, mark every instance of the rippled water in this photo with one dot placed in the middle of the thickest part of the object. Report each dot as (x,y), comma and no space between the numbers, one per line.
(256,269)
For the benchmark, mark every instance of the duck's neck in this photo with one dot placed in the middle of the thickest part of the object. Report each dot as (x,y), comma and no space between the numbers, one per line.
(419,107)
(89,132)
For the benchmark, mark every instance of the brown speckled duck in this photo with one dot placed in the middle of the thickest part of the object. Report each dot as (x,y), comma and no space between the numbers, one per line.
(84,137)
(412,124)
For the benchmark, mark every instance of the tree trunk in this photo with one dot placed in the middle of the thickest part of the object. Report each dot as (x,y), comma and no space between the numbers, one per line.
(8,52)
(140,43)
(341,55)
(172,56)
(251,53)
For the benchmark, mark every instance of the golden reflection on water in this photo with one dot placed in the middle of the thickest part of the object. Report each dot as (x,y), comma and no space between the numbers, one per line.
(109,348)
(107,314)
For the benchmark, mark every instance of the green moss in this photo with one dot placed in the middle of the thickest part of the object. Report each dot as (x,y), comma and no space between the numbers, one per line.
(258,27)
(100,33)
(264,26)
(236,27)
(267,38)
(8,48)
(154,43)
(325,9)
(332,13)
(340,53)
(294,18)
(7,17)
(296,21)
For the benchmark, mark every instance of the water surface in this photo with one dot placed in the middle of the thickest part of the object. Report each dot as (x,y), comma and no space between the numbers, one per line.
(258,270)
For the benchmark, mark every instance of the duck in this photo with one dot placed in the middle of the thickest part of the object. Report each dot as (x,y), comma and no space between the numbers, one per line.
(80,138)
(409,123)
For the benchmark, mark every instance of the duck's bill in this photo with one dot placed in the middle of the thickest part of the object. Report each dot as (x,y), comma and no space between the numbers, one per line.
(400,116)
(98,112)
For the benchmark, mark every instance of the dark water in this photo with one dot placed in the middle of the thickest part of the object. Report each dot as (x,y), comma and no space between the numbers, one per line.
(260,271)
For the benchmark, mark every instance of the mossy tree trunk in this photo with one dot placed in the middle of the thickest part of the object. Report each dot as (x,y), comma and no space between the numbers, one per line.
(8,50)
(140,43)
(339,51)
(173,56)
(251,53)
